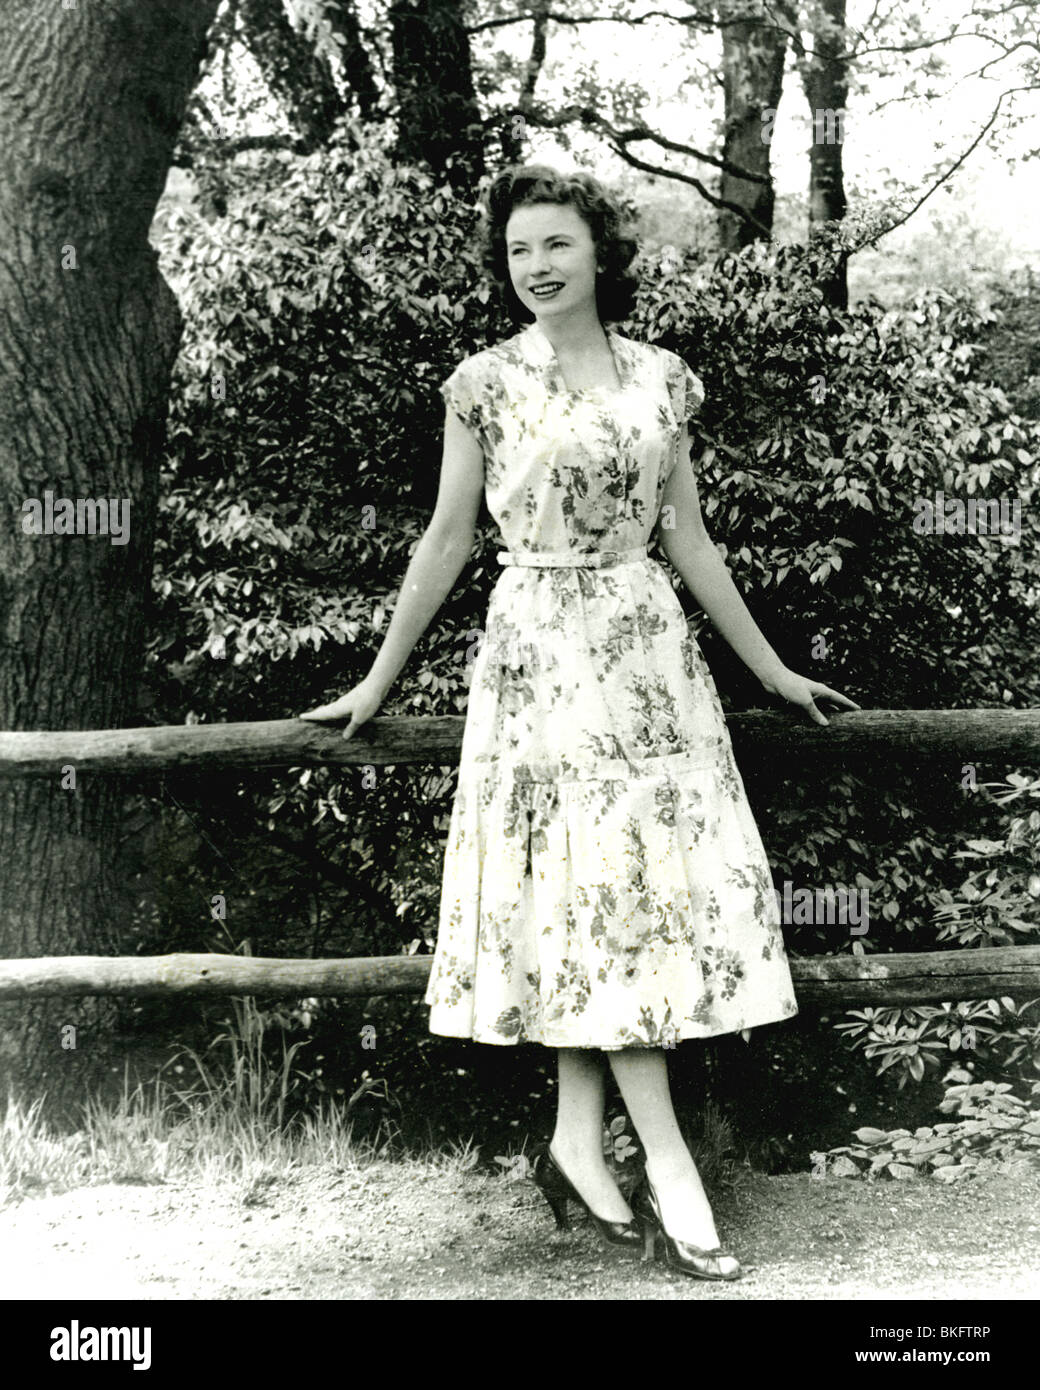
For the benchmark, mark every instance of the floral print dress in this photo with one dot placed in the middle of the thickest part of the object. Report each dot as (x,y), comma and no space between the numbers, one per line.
(604,883)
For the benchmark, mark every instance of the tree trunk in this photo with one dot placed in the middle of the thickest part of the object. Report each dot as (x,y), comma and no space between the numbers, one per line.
(752,80)
(298,75)
(357,69)
(437,112)
(94,95)
(825,80)
(513,133)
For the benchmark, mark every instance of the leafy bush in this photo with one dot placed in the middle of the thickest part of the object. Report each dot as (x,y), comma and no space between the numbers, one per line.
(994,906)
(998,904)
(820,435)
(618,1147)
(994,1127)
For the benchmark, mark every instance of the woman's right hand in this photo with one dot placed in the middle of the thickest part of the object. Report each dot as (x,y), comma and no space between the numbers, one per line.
(357,705)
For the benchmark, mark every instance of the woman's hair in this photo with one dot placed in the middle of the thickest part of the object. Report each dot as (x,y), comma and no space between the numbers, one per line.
(529,184)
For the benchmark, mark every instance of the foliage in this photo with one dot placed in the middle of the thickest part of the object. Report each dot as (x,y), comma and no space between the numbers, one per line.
(618,1145)
(995,1126)
(994,906)
(998,903)
(321,313)
(1012,353)
(819,437)
(912,1040)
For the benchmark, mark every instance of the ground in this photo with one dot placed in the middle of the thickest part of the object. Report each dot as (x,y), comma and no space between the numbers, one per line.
(390,1230)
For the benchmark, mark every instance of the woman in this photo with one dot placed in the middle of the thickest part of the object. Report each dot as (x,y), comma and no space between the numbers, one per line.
(605,888)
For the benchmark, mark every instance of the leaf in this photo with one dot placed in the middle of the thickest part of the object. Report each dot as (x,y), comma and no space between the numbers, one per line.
(950,1174)
(928,1147)
(844,1168)
(866,1135)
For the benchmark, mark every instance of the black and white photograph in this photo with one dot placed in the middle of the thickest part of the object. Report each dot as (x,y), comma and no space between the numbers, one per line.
(519,668)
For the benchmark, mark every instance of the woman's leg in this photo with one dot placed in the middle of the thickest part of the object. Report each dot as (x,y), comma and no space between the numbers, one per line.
(642,1077)
(577,1142)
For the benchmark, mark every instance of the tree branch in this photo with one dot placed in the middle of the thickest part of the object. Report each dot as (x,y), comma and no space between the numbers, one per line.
(588,116)
(709,22)
(705,21)
(619,140)
(189,156)
(943,178)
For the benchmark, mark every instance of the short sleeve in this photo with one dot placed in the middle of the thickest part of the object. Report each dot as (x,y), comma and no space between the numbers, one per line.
(462,396)
(690,394)
(687,396)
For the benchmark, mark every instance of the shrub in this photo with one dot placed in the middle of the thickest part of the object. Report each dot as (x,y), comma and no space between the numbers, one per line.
(995,1127)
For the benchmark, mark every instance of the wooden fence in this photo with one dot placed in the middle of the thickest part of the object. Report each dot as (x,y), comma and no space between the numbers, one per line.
(954,737)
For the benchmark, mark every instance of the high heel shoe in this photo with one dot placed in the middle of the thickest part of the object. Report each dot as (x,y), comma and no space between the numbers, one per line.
(557,1189)
(679,1254)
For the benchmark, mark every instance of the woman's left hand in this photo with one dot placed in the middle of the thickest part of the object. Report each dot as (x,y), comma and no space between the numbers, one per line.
(799,690)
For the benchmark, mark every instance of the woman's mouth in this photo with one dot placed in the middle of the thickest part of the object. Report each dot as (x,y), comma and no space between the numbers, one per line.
(547,290)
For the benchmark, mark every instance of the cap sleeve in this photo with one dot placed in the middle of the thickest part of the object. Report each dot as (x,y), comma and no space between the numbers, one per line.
(462,396)
(689,395)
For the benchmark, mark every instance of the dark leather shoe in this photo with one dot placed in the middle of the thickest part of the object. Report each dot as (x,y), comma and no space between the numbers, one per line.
(558,1189)
(679,1254)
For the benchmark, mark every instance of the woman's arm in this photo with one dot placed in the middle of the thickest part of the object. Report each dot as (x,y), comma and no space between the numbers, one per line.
(702,569)
(436,564)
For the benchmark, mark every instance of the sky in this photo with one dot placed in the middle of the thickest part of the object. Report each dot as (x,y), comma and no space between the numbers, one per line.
(886,136)
(902,139)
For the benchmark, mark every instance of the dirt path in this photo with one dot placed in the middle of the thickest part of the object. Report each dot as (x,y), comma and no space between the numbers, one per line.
(398,1231)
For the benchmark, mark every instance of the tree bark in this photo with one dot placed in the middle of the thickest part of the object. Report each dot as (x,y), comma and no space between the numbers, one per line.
(437,112)
(513,134)
(300,77)
(826,84)
(752,80)
(92,100)
(357,68)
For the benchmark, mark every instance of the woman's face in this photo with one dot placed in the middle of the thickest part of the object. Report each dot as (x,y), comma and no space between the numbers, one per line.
(550,245)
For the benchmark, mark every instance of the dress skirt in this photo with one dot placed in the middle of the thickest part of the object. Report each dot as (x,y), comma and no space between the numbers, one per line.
(604,881)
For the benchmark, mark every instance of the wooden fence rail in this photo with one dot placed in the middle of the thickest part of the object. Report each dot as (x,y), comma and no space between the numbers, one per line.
(820,981)
(974,735)
(967,736)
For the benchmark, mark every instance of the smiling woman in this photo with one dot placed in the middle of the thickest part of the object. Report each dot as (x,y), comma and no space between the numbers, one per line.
(554,264)
(545,226)
(605,888)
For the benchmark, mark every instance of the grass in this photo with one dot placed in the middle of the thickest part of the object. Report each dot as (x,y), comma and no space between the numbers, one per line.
(227,1116)
(244,1195)
(219,1117)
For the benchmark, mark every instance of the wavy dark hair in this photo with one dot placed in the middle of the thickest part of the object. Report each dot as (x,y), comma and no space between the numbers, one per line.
(616,247)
